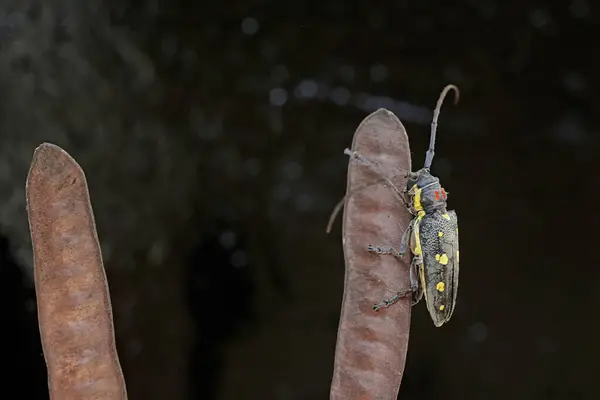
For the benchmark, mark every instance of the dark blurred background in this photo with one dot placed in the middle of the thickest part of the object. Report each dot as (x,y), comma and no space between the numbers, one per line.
(212,139)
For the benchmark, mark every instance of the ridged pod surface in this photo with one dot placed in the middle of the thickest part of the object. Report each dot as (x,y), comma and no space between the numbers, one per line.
(74,308)
(371,346)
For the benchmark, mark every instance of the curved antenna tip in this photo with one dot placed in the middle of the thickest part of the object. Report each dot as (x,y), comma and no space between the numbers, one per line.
(436,112)
(456,92)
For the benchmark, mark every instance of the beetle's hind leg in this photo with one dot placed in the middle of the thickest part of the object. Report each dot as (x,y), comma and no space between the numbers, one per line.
(415,284)
(390,301)
(415,288)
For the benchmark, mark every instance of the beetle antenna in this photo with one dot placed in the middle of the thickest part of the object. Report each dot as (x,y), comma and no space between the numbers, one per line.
(436,113)
(379,173)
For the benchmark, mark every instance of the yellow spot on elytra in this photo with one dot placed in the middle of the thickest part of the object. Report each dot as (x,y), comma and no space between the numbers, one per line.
(457,230)
(443,259)
(442,307)
(440,234)
(446,216)
(456,255)
(440,286)
(437,257)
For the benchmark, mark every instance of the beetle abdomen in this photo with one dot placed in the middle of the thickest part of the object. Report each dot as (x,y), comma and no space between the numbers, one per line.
(438,233)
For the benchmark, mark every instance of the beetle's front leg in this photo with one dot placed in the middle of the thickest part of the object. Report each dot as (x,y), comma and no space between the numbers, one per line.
(406,200)
(400,194)
(415,283)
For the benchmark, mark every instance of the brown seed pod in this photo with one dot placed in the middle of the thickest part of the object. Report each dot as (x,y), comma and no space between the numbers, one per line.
(74,307)
(371,346)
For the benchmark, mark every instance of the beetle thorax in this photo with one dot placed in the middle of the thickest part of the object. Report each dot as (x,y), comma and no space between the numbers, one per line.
(426,193)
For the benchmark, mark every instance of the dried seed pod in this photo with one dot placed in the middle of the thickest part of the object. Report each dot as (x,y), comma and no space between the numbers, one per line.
(371,347)
(74,307)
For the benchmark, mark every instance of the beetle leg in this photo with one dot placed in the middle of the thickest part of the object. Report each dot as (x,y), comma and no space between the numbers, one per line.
(404,241)
(403,194)
(374,166)
(383,250)
(390,301)
(415,284)
(415,289)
